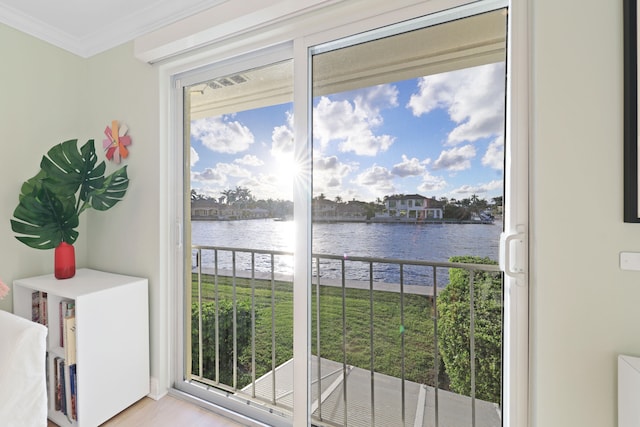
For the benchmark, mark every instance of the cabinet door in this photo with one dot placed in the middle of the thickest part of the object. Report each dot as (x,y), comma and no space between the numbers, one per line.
(112,336)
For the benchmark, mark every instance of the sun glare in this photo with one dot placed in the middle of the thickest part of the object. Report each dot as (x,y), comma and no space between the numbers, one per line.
(288,172)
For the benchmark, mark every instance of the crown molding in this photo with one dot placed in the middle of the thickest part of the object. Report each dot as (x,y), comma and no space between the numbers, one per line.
(127,28)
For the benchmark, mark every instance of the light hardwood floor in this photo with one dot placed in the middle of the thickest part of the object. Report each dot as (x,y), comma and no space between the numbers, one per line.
(166,412)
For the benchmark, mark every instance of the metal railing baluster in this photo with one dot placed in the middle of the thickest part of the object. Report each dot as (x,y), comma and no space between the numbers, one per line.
(344,339)
(472,345)
(436,350)
(239,288)
(253,324)
(402,332)
(318,338)
(200,334)
(371,352)
(273,330)
(217,315)
(235,322)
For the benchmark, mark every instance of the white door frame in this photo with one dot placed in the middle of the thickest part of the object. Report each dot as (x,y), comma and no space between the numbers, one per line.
(514,253)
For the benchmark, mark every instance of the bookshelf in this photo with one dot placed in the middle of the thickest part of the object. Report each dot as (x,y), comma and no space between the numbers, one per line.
(111,314)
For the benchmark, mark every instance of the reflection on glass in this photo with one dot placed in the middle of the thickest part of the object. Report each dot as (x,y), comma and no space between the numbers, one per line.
(408,148)
(241,167)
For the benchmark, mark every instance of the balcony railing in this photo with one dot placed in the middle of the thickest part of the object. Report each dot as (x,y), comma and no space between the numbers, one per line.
(369,367)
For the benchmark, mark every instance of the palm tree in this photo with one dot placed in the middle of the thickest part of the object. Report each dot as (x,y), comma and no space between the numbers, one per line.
(229,196)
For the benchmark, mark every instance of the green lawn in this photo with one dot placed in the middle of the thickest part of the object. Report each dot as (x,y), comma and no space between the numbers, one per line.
(387,328)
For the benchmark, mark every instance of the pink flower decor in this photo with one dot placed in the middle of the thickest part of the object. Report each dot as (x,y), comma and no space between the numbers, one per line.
(117,141)
(4,290)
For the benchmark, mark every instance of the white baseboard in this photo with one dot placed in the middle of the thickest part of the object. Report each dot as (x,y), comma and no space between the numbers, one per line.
(154,390)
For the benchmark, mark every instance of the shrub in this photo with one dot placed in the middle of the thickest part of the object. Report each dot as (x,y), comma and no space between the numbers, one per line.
(454,325)
(225,318)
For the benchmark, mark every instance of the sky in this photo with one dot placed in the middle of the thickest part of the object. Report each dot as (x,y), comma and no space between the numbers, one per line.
(437,136)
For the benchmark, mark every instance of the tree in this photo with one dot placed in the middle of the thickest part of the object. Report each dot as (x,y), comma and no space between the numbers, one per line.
(243,194)
(454,330)
(197,196)
(229,196)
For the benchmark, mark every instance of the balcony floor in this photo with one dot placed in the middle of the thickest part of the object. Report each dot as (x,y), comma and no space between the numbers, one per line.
(453,409)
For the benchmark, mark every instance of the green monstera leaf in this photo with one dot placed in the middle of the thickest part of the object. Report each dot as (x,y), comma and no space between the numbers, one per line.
(68,183)
(43,218)
(112,191)
(69,170)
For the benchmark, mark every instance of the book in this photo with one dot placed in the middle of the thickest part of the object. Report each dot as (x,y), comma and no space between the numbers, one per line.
(74,390)
(69,333)
(46,371)
(39,307)
(67,308)
(63,387)
(35,306)
(57,362)
(43,309)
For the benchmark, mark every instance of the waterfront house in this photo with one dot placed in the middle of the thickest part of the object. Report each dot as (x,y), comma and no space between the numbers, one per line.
(210,209)
(329,211)
(412,207)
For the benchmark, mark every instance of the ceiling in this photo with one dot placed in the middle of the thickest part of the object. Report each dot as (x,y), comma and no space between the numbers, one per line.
(88,27)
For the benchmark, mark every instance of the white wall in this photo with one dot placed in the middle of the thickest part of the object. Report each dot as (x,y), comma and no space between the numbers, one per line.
(585,310)
(42,103)
(125,239)
(47,96)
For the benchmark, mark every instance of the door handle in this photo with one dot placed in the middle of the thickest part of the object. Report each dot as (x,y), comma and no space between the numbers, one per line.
(513,254)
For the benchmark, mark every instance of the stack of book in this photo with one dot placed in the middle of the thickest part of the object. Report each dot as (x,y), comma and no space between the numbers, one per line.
(65,367)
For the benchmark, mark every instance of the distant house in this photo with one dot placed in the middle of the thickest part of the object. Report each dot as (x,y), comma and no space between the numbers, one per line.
(327,210)
(324,209)
(206,209)
(210,209)
(411,207)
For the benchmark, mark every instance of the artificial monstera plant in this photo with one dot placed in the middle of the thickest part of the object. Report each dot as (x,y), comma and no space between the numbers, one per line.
(69,182)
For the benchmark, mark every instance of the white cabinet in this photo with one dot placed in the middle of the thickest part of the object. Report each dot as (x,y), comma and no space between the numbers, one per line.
(628,391)
(112,339)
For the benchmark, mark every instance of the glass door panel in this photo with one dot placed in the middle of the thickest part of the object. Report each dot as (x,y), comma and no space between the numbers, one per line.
(407,296)
(238,298)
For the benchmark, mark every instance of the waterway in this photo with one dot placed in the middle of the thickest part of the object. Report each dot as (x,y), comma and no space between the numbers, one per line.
(424,242)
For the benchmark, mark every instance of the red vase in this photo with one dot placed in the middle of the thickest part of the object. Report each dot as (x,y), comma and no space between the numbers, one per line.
(64,261)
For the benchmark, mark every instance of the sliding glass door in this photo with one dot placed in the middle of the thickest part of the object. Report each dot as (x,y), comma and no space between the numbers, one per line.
(408,155)
(344,207)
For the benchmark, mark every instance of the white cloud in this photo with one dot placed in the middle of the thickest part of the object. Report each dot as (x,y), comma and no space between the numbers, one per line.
(232,169)
(352,125)
(328,175)
(494,157)
(473,97)
(282,138)
(408,167)
(249,160)
(456,159)
(378,179)
(369,102)
(209,175)
(431,183)
(366,143)
(220,134)
(480,188)
(220,174)
(193,157)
